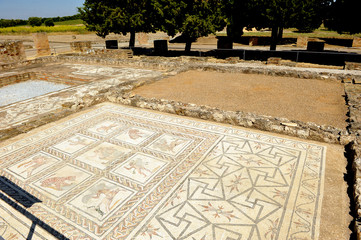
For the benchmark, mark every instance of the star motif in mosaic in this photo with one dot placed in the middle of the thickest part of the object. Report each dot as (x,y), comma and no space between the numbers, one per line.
(121,173)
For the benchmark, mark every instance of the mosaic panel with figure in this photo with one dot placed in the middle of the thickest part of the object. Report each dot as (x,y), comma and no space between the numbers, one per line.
(117,172)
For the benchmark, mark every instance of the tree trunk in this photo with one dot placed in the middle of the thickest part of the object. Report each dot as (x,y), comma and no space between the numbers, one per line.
(280,34)
(188,45)
(132,40)
(274,38)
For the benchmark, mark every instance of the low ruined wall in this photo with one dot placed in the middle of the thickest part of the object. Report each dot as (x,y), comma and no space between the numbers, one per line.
(266,123)
(81,46)
(17,78)
(12,52)
(22,77)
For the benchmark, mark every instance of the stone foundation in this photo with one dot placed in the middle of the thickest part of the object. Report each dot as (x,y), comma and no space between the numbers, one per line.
(12,52)
(274,60)
(356,42)
(352,66)
(81,46)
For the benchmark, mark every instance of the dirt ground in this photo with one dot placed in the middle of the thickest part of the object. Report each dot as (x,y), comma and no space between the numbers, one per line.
(307,100)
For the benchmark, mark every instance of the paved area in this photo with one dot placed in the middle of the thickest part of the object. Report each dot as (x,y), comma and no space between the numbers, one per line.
(307,100)
(91,78)
(115,172)
(29,89)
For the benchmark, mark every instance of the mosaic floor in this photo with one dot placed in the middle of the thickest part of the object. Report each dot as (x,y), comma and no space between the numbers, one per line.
(122,173)
(26,90)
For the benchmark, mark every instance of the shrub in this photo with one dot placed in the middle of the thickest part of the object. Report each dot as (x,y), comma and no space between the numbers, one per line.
(34,21)
(49,23)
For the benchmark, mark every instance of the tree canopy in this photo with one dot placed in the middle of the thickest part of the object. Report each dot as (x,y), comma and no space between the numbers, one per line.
(275,14)
(117,16)
(191,18)
(35,21)
(49,23)
(344,16)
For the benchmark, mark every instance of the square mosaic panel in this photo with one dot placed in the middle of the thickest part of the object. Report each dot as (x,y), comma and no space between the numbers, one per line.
(101,199)
(61,181)
(134,135)
(122,173)
(103,155)
(105,127)
(74,144)
(32,165)
(140,168)
(168,144)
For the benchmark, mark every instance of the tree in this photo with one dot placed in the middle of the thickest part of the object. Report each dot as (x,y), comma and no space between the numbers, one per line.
(274,14)
(310,14)
(191,18)
(344,16)
(34,21)
(49,22)
(117,16)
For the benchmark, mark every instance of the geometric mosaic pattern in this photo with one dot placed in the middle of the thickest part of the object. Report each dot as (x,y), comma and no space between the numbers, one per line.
(123,173)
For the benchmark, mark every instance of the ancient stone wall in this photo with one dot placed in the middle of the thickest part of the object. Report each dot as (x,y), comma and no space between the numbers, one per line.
(302,42)
(11,79)
(356,42)
(12,52)
(81,46)
(41,43)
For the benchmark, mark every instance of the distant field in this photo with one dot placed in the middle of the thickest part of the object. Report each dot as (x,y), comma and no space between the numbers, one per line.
(55,29)
(70,22)
(75,26)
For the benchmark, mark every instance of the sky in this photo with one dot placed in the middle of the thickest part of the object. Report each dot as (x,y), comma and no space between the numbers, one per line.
(23,9)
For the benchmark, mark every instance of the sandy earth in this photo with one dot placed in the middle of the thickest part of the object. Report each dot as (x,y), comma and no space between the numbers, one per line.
(307,100)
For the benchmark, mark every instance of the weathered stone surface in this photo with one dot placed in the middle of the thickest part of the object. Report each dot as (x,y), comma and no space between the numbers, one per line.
(12,52)
(302,41)
(142,38)
(81,46)
(356,42)
(352,66)
(41,43)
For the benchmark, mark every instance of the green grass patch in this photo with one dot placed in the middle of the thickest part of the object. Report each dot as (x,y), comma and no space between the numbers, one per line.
(55,29)
(70,22)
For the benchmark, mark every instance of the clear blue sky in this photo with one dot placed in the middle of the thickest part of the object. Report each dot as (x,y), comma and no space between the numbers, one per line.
(23,9)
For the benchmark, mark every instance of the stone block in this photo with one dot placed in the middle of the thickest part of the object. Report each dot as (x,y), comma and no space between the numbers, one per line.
(352,66)
(41,43)
(302,41)
(142,38)
(111,44)
(356,42)
(224,43)
(316,46)
(253,41)
(80,46)
(274,60)
(12,51)
(160,46)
